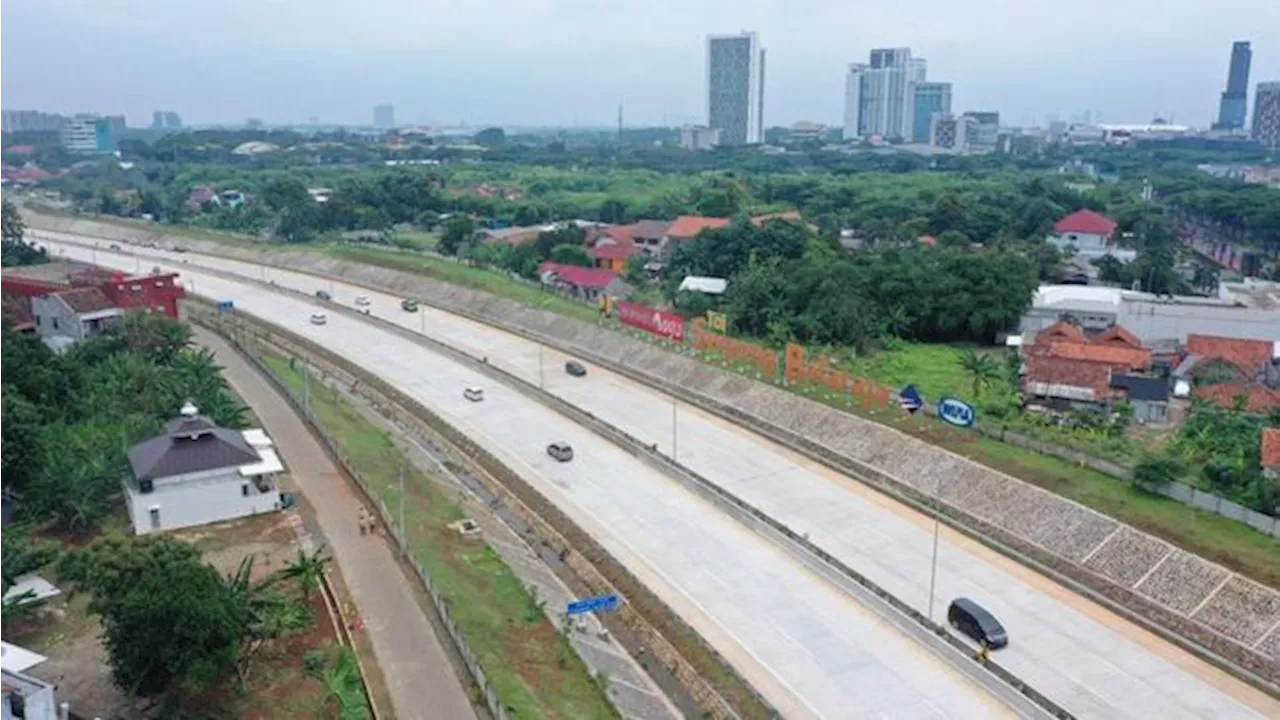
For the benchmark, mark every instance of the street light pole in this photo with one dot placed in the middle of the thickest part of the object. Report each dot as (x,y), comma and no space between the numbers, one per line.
(933,567)
(539,367)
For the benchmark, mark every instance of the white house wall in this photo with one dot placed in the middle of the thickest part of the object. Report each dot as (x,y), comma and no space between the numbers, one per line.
(200,499)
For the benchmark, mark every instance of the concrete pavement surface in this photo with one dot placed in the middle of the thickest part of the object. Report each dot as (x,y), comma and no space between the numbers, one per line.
(419,676)
(810,649)
(1091,661)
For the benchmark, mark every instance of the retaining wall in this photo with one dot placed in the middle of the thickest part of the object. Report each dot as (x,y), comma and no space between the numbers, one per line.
(1219,614)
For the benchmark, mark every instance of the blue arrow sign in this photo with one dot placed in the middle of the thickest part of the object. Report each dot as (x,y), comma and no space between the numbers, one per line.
(602,603)
(226,306)
(909,398)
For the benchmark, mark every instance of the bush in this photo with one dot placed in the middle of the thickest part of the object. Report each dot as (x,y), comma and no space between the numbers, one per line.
(1154,471)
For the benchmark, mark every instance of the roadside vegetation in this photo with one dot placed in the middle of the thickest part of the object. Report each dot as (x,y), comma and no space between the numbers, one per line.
(528,659)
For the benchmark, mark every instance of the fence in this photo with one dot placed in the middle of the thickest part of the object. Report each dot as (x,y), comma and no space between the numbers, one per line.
(1208,501)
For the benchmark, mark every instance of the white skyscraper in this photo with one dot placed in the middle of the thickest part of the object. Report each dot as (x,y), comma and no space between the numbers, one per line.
(735,87)
(880,96)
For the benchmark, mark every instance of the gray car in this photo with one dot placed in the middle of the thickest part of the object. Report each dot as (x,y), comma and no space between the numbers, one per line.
(560,451)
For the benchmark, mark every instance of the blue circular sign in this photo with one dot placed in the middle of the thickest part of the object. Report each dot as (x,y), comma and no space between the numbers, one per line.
(957,412)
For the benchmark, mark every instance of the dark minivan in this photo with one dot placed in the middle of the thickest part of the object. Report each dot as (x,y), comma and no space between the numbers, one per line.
(973,620)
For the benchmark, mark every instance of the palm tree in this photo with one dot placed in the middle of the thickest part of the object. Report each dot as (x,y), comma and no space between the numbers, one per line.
(308,570)
(981,369)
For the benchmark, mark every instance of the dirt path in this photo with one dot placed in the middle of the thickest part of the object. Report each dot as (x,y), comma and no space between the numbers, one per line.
(419,673)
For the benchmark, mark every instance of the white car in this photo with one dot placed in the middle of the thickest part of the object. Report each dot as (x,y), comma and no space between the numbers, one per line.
(474,394)
(362,300)
(319,319)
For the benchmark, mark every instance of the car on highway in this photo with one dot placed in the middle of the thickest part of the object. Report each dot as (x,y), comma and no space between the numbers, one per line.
(474,394)
(115,246)
(319,319)
(322,295)
(409,305)
(560,451)
(970,618)
(362,300)
(575,368)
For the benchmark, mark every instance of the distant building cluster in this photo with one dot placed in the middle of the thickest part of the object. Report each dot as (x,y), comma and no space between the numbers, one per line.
(166,120)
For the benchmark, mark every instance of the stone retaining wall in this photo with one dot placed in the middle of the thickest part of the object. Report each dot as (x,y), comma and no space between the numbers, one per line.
(1228,618)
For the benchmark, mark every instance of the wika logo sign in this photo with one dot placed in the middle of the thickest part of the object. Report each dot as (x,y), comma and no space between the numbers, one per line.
(957,412)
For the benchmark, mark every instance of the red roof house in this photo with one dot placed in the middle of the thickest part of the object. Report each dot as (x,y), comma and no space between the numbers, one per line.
(688,226)
(1271,449)
(589,282)
(1257,398)
(1085,222)
(1247,355)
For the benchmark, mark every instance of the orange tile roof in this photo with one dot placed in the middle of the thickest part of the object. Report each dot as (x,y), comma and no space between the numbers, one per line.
(1271,447)
(1248,355)
(1085,221)
(609,250)
(1258,398)
(1061,331)
(1128,358)
(687,226)
(1061,371)
(1117,336)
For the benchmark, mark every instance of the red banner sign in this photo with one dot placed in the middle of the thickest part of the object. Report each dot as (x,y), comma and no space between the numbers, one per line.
(668,325)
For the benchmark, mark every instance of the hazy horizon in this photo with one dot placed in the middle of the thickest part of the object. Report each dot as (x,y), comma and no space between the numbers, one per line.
(571,62)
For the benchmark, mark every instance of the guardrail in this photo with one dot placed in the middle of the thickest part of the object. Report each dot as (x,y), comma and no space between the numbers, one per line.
(699,689)
(992,676)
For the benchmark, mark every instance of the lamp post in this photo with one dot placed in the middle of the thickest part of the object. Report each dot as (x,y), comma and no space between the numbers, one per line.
(933,566)
(675,435)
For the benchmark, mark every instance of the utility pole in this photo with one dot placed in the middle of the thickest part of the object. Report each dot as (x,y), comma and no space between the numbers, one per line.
(539,367)
(933,567)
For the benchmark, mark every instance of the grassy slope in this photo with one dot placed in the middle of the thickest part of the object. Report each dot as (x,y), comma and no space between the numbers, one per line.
(536,672)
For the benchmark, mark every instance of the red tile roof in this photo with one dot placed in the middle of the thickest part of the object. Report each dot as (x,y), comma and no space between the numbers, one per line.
(1119,357)
(1049,370)
(1085,221)
(1118,337)
(650,229)
(1271,447)
(86,300)
(590,278)
(687,226)
(612,250)
(17,310)
(620,233)
(928,240)
(1248,355)
(1061,331)
(1258,398)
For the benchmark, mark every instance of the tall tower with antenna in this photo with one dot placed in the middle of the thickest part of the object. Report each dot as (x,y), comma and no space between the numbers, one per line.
(619,123)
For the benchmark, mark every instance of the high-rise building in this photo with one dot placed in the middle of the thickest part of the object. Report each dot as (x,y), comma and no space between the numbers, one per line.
(986,130)
(1235,99)
(930,98)
(1266,114)
(88,134)
(950,132)
(735,88)
(165,120)
(699,137)
(31,121)
(880,96)
(384,116)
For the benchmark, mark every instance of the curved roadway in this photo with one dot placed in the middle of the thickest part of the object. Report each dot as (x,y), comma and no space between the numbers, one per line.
(1087,659)
(810,649)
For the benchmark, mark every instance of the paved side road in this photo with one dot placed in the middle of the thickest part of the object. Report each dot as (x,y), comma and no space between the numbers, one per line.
(419,675)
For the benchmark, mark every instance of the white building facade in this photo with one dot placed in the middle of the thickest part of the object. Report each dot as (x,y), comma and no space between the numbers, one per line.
(699,137)
(197,473)
(880,95)
(735,88)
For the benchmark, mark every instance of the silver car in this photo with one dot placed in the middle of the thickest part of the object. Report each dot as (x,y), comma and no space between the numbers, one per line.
(560,451)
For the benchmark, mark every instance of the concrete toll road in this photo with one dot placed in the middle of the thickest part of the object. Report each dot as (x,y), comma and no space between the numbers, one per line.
(809,648)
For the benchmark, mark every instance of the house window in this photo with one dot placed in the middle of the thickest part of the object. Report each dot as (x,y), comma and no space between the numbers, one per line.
(155,517)
(135,286)
(55,323)
(159,283)
(244,490)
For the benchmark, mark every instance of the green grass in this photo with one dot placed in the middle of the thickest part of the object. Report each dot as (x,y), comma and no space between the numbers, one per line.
(453,273)
(535,670)
(418,239)
(934,369)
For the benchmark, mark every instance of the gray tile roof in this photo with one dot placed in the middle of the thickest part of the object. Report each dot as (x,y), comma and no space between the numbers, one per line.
(189,445)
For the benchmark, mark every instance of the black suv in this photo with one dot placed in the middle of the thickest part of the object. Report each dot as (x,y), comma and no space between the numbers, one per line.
(575,368)
(973,620)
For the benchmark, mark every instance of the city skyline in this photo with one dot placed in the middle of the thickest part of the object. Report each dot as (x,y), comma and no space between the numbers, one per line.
(337,65)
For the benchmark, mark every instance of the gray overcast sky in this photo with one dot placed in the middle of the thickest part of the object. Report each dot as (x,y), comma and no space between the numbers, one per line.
(570,62)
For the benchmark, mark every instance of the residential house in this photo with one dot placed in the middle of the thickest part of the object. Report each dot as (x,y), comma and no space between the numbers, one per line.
(24,696)
(1066,367)
(687,227)
(201,195)
(1149,396)
(17,312)
(1226,369)
(158,292)
(196,473)
(586,283)
(66,317)
(611,254)
(233,198)
(650,235)
(1088,234)
(1271,452)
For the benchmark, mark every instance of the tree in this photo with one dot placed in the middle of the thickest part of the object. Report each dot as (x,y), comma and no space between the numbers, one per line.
(458,231)
(980,368)
(571,255)
(491,137)
(169,622)
(635,272)
(1154,471)
(15,250)
(21,444)
(308,570)
(23,554)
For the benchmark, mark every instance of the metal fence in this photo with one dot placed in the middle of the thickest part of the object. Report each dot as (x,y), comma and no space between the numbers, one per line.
(1215,504)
